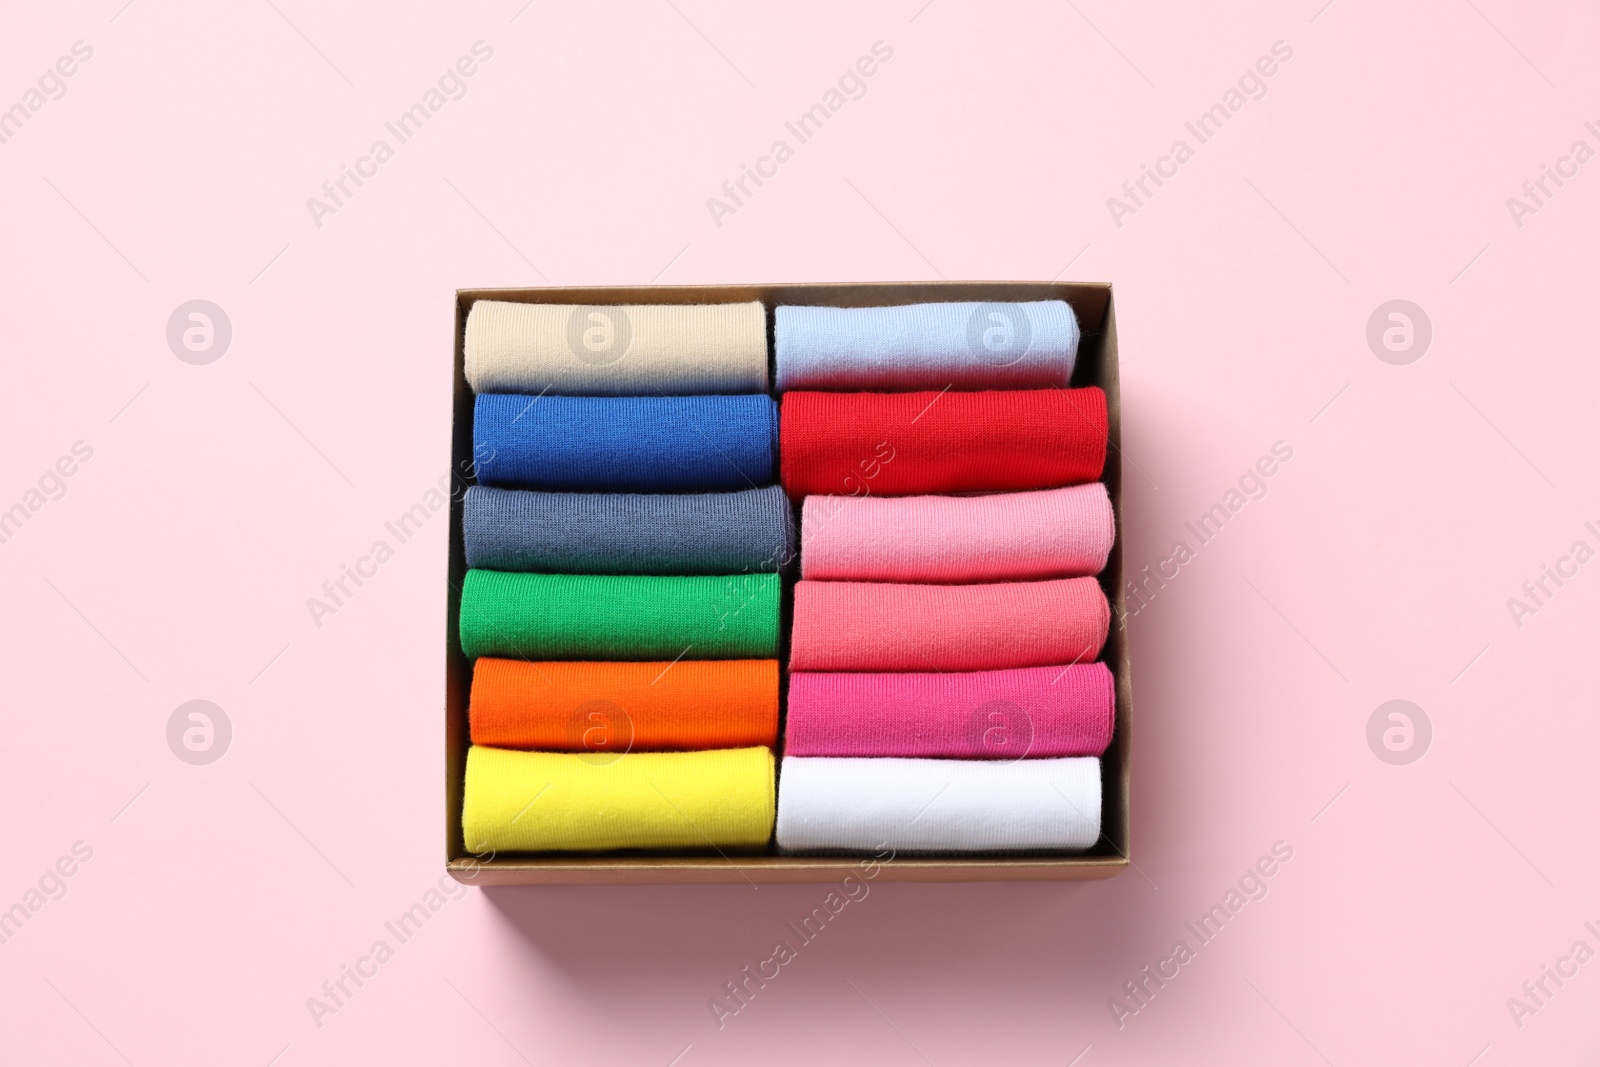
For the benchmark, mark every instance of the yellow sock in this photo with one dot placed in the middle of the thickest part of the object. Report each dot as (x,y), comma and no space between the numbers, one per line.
(557,801)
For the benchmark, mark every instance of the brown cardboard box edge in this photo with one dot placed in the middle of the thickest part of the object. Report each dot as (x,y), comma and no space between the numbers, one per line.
(1097,365)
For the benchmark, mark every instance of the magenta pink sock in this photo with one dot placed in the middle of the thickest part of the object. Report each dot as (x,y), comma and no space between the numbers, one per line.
(1033,712)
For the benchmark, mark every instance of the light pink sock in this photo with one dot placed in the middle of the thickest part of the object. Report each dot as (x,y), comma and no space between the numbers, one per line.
(1033,712)
(881,626)
(1053,533)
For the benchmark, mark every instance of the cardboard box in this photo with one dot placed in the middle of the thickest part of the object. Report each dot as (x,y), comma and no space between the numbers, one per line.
(1097,365)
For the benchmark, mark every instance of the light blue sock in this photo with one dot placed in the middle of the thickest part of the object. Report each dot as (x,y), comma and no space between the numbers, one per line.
(968,346)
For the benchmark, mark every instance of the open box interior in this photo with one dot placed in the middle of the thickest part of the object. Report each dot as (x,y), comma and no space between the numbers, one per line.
(1096,365)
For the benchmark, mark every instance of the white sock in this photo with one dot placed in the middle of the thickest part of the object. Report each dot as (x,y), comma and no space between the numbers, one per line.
(938,805)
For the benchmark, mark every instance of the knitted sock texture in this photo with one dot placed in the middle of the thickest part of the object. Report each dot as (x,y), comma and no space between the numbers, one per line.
(573,616)
(1050,533)
(622,707)
(616,350)
(647,444)
(992,345)
(879,626)
(552,801)
(900,444)
(1036,712)
(628,533)
(928,805)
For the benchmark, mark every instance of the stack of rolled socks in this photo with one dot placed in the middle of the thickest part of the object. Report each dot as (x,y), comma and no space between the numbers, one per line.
(944,694)
(622,600)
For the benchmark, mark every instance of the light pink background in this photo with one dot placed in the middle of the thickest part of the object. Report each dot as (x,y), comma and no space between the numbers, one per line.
(219,498)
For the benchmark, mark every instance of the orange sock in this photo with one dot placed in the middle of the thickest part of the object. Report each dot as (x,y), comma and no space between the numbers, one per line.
(605,707)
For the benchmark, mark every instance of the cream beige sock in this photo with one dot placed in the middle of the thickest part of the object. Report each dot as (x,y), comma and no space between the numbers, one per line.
(616,349)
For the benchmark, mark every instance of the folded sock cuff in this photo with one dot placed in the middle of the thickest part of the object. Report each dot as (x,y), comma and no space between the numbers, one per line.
(881,626)
(903,444)
(616,349)
(624,707)
(930,805)
(616,617)
(552,801)
(642,444)
(962,345)
(1049,533)
(628,533)
(1030,713)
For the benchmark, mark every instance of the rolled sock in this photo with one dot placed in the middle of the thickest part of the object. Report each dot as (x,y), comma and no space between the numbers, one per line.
(623,707)
(616,350)
(881,626)
(901,444)
(557,801)
(588,616)
(937,805)
(628,533)
(648,444)
(1035,712)
(1050,533)
(988,345)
